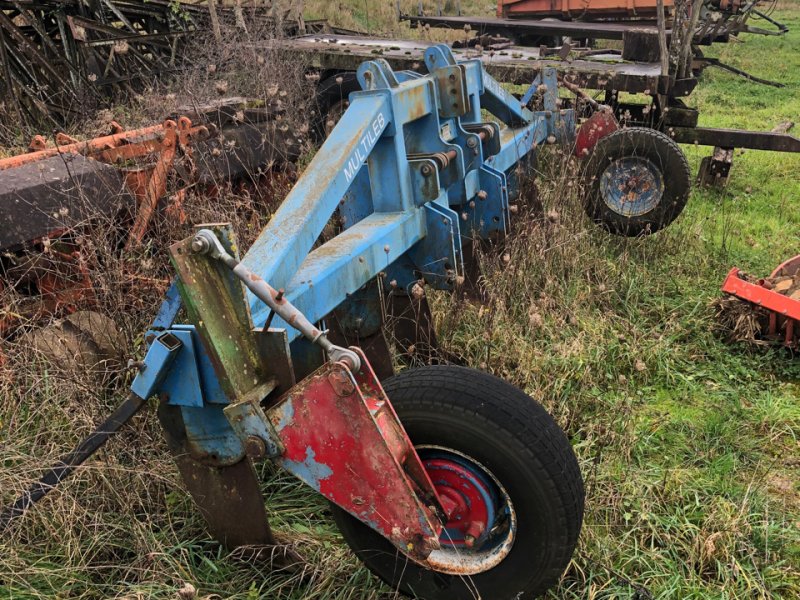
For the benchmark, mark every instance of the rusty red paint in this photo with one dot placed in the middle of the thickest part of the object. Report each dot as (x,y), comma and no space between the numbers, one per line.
(599,125)
(783,310)
(342,437)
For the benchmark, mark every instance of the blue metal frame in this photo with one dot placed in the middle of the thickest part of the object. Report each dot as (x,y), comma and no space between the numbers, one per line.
(415,171)
(400,221)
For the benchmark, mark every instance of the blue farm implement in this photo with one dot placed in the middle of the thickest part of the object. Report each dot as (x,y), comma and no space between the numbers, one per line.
(447,482)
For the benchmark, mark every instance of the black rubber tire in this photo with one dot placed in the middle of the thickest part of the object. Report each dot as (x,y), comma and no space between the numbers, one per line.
(664,153)
(332,93)
(511,435)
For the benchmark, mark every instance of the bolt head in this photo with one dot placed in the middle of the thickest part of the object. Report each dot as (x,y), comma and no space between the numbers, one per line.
(255,447)
(199,245)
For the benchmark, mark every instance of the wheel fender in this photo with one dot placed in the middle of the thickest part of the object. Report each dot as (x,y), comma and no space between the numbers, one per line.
(599,125)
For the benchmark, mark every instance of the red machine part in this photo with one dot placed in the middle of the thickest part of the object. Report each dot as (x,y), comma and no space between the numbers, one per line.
(342,437)
(578,8)
(599,125)
(148,183)
(784,312)
(466,499)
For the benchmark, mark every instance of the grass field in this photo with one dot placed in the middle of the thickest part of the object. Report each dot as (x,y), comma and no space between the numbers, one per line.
(690,447)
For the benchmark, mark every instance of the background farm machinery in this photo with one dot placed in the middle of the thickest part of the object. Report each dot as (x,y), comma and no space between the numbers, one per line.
(66,191)
(534,22)
(646,83)
(763,310)
(460,480)
(59,59)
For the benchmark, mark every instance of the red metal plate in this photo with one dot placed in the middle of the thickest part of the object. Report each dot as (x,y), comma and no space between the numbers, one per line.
(761,296)
(342,438)
(599,125)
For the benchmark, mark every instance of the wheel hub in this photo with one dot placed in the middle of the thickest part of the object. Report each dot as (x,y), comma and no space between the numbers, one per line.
(632,186)
(466,499)
(481,521)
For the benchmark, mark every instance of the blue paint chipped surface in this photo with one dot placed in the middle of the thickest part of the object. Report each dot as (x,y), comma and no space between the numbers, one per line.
(309,470)
(285,413)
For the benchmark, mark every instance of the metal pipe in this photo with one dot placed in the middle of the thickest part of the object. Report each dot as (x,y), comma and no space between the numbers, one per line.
(206,242)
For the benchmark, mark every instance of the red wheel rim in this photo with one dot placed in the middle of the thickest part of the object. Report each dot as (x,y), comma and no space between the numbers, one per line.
(466,497)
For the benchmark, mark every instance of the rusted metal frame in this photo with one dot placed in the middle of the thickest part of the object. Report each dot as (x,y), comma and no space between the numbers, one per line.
(70,50)
(38,26)
(783,310)
(126,62)
(156,185)
(633,78)
(148,39)
(27,47)
(117,33)
(57,293)
(591,30)
(127,144)
(735,138)
(123,19)
(761,296)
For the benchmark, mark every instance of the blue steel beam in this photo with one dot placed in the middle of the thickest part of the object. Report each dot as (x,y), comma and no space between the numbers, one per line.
(412,177)
(347,262)
(392,114)
(294,228)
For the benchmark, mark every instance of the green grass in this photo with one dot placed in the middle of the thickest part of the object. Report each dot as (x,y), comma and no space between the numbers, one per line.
(689,446)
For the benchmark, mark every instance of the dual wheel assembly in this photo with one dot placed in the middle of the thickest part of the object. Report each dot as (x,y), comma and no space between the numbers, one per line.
(506,476)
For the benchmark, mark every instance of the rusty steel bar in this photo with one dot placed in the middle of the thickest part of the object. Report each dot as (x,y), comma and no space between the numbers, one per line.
(88,147)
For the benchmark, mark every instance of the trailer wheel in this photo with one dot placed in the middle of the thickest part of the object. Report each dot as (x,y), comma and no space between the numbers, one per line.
(638,181)
(510,476)
(332,95)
